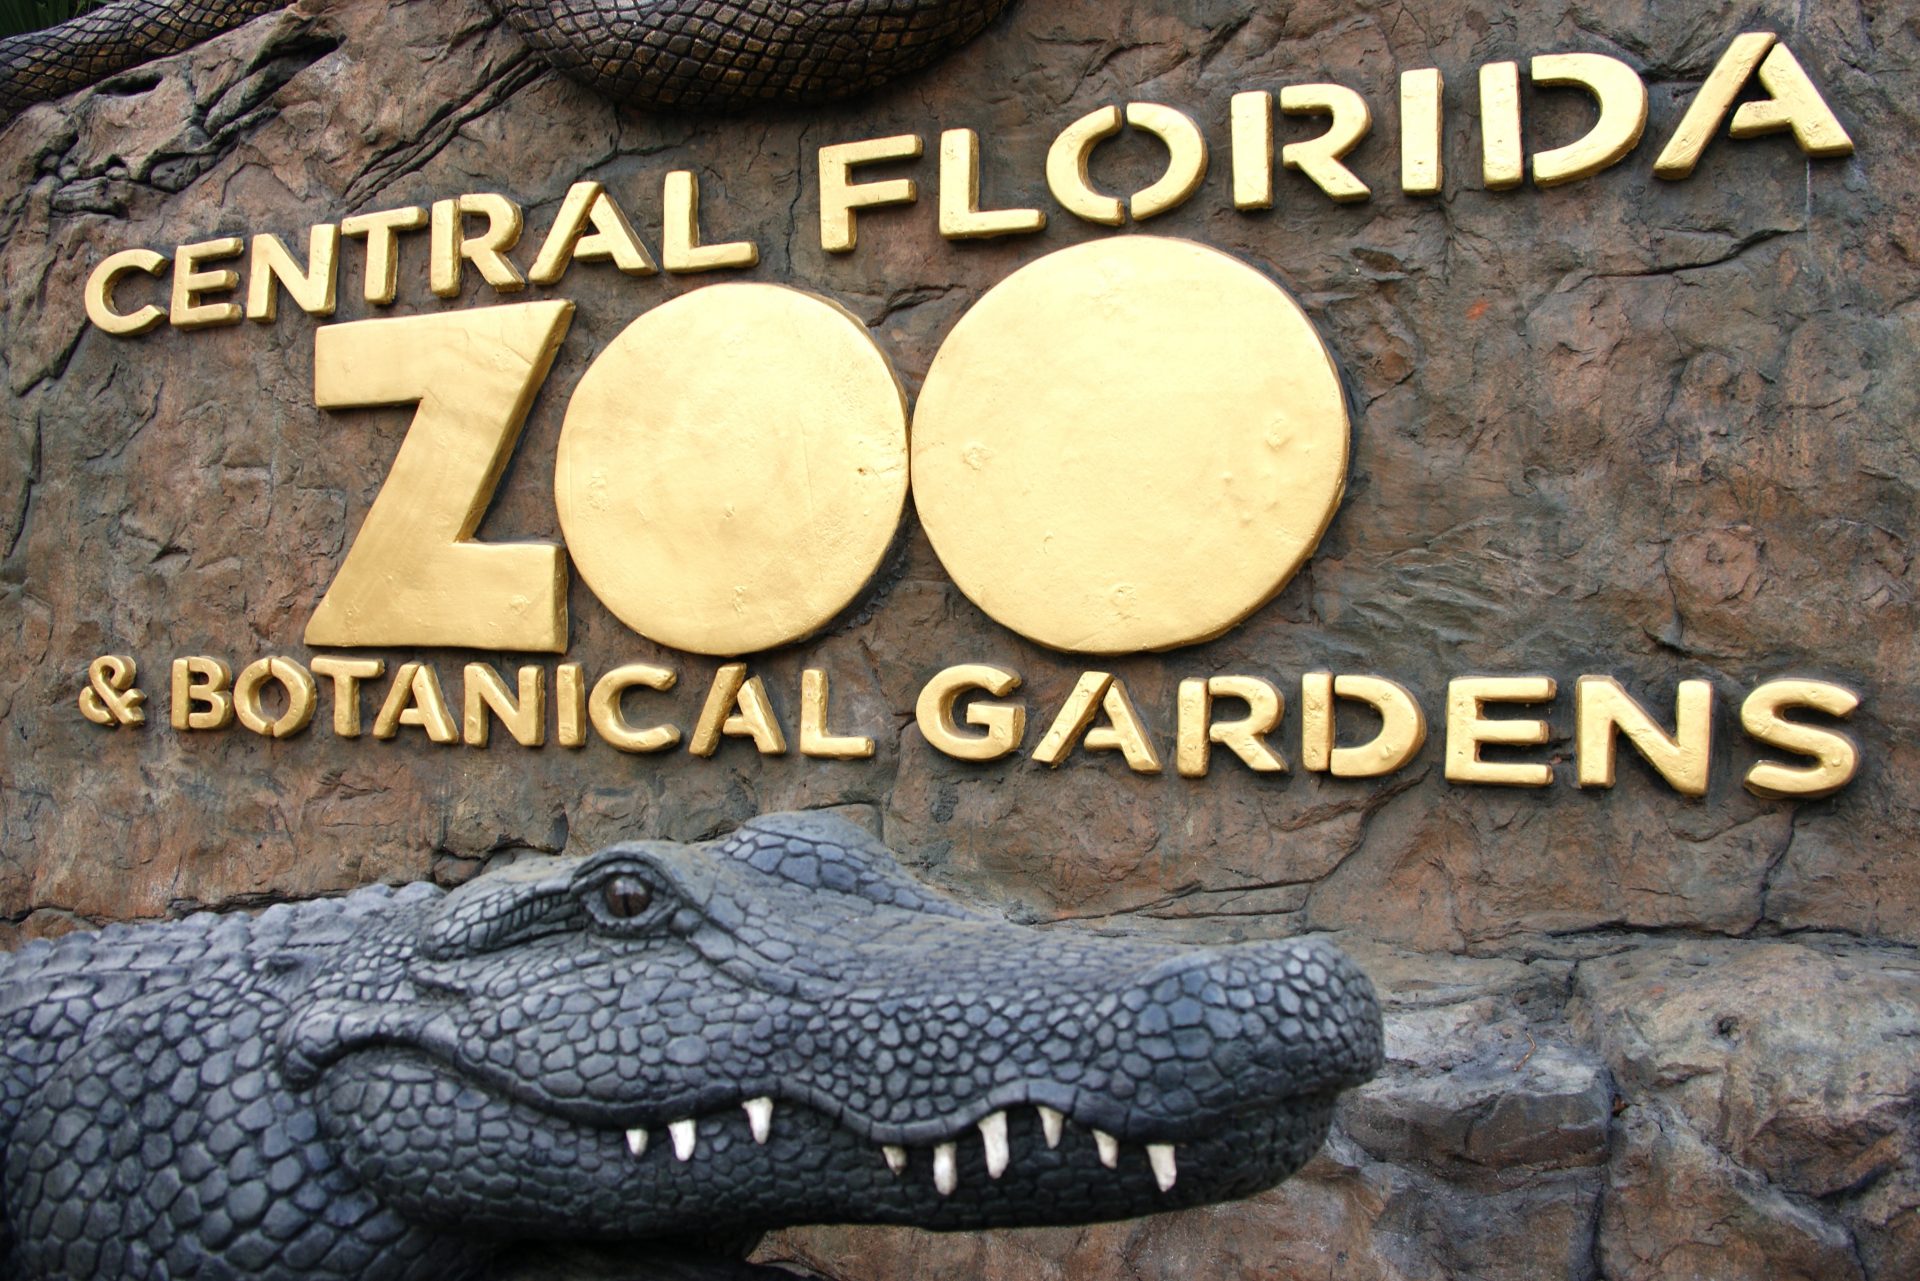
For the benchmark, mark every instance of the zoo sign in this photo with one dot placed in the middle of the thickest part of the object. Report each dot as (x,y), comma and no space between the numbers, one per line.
(1130,444)
(1125,446)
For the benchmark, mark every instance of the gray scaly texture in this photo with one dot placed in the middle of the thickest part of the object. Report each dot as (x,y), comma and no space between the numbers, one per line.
(38,65)
(689,55)
(651,1043)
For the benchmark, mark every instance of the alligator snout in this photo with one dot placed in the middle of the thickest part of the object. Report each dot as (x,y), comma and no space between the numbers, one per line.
(1144,1041)
(1227,1026)
(784,1026)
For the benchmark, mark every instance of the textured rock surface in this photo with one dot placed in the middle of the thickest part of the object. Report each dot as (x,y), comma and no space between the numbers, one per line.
(1626,426)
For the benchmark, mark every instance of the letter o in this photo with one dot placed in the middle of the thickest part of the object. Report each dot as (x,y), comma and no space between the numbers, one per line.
(732,468)
(1131,444)
(302,696)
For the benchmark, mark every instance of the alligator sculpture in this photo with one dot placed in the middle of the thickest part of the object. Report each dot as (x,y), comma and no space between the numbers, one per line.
(646,1045)
(684,55)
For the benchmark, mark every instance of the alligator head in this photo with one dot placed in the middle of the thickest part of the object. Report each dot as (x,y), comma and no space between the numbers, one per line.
(783,1027)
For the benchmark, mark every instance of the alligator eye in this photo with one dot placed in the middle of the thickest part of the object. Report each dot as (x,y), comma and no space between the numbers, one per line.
(626,897)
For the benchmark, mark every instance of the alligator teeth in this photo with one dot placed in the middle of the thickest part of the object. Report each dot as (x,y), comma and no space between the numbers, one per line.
(896,1158)
(1109,1148)
(1160,1157)
(683,1133)
(1051,1122)
(945,1177)
(993,1131)
(759,1117)
(636,1141)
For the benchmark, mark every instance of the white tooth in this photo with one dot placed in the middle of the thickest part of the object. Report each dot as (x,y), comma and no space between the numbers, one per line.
(1109,1148)
(1160,1157)
(759,1117)
(945,1177)
(636,1141)
(1051,1122)
(896,1158)
(683,1133)
(993,1131)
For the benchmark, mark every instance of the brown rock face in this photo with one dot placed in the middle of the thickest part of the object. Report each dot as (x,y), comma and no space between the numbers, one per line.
(1658,430)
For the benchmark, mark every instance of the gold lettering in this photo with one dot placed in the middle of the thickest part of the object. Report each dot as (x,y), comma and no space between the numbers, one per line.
(189,283)
(1467,729)
(1602,707)
(111,698)
(312,289)
(383,255)
(815,738)
(1422,168)
(449,244)
(1795,104)
(1067,175)
(840,196)
(201,698)
(99,292)
(1403,726)
(1004,724)
(301,697)
(1622,97)
(413,575)
(347,674)
(483,691)
(1072,150)
(570,705)
(1071,721)
(1251,122)
(737,706)
(961,217)
(415,699)
(1186,163)
(1502,163)
(1836,757)
(680,247)
(604,708)
(1119,354)
(613,238)
(1124,733)
(1197,730)
(758,489)
(1316,722)
(1320,158)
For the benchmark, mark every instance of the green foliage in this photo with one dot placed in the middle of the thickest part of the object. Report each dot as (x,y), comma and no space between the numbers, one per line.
(31,15)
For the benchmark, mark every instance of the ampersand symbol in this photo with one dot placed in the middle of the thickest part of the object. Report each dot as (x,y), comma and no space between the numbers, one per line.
(111,698)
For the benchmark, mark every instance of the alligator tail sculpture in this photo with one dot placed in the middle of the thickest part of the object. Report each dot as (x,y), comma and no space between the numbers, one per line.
(639,1046)
(686,55)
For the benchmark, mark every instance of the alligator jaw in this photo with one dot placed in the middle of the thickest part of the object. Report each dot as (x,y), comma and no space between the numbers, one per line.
(634,1181)
(792,1030)
(1162,1158)
(337,1030)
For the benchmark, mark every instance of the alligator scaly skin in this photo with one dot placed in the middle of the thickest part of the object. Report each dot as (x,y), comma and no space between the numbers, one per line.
(685,55)
(652,1043)
(722,55)
(38,65)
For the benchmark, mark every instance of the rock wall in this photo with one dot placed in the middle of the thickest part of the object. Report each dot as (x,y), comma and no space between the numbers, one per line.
(1630,427)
